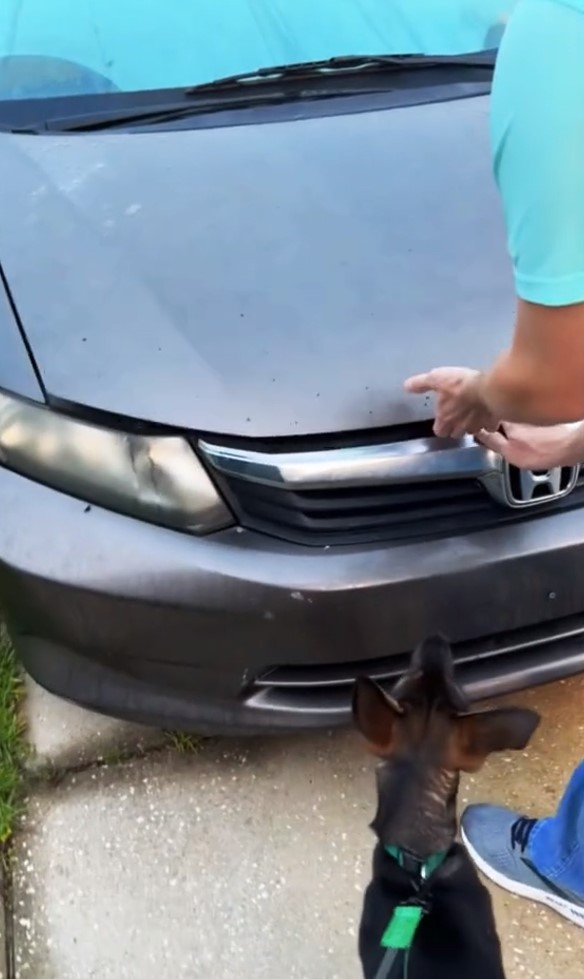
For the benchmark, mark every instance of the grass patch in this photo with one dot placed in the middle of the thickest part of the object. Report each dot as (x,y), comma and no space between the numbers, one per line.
(182,741)
(115,756)
(12,742)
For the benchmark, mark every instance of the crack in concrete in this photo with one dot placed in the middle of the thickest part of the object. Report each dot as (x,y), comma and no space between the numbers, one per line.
(8,913)
(53,776)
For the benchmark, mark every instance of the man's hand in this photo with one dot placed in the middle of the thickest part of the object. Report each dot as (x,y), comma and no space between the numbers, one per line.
(459,406)
(532,447)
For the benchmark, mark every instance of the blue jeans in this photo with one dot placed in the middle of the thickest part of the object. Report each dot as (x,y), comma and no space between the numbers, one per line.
(556,847)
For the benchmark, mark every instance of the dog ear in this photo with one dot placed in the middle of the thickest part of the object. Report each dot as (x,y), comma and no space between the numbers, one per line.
(479,733)
(375,714)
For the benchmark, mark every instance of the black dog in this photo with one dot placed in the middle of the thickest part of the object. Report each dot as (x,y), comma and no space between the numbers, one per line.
(426,914)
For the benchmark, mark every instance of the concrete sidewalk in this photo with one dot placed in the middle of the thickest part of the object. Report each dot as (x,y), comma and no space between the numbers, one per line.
(244,859)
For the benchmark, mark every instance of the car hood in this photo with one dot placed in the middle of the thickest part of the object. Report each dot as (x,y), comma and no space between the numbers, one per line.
(260,280)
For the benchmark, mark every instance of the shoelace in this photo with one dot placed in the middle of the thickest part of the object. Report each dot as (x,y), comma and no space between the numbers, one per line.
(521,830)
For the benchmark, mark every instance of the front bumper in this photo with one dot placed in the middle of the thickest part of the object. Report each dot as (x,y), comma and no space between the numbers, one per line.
(241,632)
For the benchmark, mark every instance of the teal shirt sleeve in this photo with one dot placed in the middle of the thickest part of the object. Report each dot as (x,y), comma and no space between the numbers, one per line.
(537,138)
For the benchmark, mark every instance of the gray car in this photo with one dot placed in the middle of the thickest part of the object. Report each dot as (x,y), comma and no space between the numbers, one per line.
(217,504)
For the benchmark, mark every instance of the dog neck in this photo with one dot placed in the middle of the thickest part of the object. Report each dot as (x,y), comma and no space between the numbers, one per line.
(418,819)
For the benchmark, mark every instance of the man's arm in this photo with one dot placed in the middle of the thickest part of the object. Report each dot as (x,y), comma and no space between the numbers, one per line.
(537,136)
(540,379)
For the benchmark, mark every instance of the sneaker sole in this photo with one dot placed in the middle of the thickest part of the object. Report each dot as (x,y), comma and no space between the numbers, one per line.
(553,901)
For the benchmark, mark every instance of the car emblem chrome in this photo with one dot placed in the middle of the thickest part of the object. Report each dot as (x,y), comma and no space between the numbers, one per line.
(519,488)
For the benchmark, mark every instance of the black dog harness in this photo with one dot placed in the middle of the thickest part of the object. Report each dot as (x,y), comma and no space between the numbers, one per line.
(398,937)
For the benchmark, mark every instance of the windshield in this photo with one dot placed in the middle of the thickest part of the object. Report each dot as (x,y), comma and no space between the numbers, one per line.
(52,48)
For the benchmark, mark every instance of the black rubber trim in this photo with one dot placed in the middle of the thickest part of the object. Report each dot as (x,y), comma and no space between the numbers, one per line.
(21,330)
(101,688)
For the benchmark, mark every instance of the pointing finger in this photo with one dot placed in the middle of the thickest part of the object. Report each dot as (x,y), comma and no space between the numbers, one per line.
(419,384)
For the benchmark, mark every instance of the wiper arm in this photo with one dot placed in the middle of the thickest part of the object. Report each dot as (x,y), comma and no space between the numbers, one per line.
(347,65)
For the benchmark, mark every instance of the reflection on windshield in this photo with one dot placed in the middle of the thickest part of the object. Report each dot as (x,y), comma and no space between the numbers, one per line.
(74,47)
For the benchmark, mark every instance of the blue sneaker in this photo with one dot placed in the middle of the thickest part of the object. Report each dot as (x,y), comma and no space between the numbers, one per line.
(497,841)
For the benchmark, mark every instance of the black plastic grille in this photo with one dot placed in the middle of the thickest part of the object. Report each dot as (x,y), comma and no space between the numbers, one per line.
(397,513)
(504,661)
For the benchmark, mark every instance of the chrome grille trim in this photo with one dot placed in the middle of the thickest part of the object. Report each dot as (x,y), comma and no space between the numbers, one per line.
(396,491)
(417,460)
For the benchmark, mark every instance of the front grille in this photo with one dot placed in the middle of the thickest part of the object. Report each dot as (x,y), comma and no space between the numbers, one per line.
(486,667)
(406,486)
(391,513)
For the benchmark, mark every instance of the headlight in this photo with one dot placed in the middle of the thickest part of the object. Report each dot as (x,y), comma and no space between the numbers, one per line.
(156,478)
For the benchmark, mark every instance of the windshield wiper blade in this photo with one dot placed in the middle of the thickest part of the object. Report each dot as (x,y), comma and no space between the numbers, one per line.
(346,65)
(112,119)
(266,86)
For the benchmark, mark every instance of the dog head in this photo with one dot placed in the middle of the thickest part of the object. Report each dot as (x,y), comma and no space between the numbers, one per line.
(426,734)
